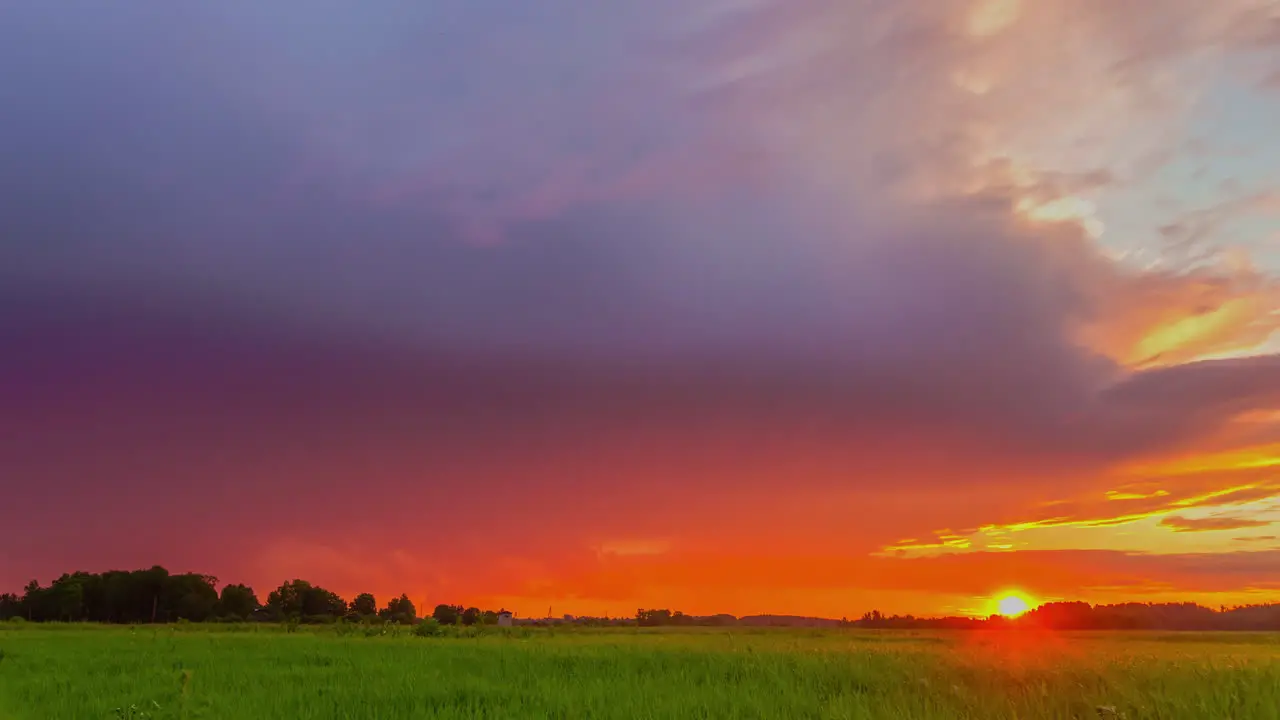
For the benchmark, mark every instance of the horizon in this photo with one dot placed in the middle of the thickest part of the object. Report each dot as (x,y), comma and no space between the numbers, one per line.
(994,607)
(760,307)
(1008,606)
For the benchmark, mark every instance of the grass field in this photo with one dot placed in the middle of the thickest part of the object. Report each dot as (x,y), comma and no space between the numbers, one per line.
(76,672)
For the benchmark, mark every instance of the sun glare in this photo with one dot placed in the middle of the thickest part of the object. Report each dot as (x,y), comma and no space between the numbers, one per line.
(1012,606)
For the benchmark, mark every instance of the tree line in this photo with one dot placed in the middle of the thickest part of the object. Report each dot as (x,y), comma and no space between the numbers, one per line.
(1152,616)
(1055,616)
(157,596)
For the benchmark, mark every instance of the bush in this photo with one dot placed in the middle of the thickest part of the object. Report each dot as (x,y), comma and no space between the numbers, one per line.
(16,620)
(429,627)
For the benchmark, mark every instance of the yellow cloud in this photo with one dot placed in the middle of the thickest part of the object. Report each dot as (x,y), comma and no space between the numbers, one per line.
(990,17)
(1225,326)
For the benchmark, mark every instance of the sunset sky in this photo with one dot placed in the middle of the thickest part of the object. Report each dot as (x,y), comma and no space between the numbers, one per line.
(734,306)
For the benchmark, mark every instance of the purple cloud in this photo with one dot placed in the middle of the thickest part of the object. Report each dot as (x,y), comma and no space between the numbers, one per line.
(307,255)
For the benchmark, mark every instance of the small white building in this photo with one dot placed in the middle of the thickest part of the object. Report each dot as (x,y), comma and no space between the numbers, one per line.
(504,618)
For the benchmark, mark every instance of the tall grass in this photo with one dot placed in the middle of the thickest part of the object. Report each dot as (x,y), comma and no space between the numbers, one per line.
(74,672)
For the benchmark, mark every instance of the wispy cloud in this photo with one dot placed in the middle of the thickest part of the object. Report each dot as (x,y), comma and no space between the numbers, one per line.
(1178,523)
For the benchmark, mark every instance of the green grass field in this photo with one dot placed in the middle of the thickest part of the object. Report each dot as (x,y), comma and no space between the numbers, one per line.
(76,672)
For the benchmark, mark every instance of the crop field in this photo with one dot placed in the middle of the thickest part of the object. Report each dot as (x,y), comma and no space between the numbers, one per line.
(82,672)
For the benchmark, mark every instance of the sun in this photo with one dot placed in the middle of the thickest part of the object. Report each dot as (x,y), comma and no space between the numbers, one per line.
(1012,606)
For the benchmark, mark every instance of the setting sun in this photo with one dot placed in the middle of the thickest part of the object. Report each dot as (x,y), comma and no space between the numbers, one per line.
(1012,606)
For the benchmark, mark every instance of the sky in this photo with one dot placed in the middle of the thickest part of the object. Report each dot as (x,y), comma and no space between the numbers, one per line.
(740,306)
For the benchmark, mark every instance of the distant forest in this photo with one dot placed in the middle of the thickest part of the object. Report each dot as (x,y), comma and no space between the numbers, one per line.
(1055,616)
(157,596)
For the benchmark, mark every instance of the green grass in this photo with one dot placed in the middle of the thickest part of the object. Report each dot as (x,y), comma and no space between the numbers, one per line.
(78,672)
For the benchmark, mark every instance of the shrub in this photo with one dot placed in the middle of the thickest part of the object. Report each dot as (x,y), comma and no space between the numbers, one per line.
(429,627)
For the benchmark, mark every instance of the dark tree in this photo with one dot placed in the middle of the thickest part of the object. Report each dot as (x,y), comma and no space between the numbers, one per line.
(33,605)
(190,596)
(322,603)
(286,600)
(364,606)
(650,618)
(300,600)
(238,602)
(470,616)
(64,600)
(10,606)
(400,610)
(149,586)
(114,598)
(447,614)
